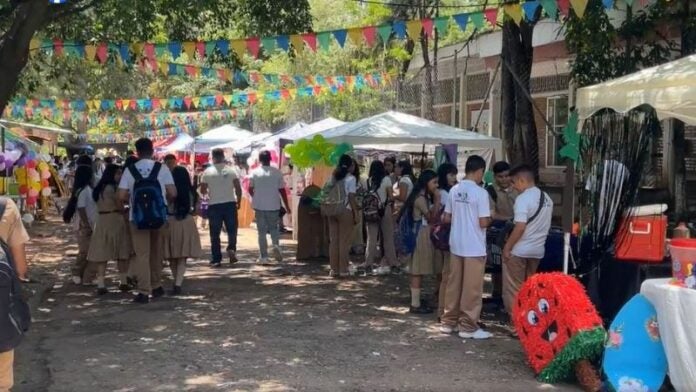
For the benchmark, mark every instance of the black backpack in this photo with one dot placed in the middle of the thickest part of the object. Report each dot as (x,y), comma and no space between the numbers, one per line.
(149,209)
(15,317)
(372,207)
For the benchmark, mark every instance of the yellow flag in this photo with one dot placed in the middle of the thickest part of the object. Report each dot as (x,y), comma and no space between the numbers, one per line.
(297,43)
(293,93)
(94,104)
(414,27)
(579,7)
(227,99)
(126,104)
(514,11)
(164,103)
(189,47)
(239,47)
(196,101)
(137,48)
(90,52)
(34,46)
(355,35)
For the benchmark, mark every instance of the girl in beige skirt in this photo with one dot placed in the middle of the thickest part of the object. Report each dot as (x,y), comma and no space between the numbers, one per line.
(111,239)
(422,206)
(181,240)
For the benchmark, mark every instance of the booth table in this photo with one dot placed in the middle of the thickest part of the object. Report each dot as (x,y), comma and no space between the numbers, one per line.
(676,315)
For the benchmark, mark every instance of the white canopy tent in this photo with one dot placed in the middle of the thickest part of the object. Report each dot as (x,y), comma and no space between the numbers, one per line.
(404,132)
(224,134)
(302,130)
(182,143)
(669,88)
(244,145)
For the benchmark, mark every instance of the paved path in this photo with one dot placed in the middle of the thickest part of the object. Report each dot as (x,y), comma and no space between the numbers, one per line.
(251,328)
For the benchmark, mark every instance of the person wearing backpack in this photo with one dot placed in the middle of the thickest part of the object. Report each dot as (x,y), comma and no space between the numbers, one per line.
(422,209)
(13,237)
(145,186)
(526,245)
(340,207)
(468,210)
(82,212)
(377,214)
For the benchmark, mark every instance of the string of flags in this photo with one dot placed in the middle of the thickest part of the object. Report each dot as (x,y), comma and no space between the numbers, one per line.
(153,53)
(127,137)
(23,106)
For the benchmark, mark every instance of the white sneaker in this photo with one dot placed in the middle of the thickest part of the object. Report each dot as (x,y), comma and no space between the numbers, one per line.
(77,280)
(262,260)
(383,270)
(446,329)
(479,334)
(277,255)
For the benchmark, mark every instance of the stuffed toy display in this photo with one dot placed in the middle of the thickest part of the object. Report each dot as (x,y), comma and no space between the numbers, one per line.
(559,328)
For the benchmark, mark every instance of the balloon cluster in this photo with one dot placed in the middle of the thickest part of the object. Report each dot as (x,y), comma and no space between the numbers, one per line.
(307,153)
(32,175)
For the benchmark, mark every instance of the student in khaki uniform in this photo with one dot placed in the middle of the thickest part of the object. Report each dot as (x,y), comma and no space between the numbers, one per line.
(341,227)
(15,236)
(84,221)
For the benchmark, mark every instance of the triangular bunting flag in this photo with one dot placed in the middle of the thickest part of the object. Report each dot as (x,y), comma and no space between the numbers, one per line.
(253,45)
(400,29)
(579,7)
(370,34)
(384,32)
(124,52)
(58,47)
(200,49)
(491,16)
(311,40)
(34,46)
(149,52)
(340,36)
(324,40)
(283,42)
(269,44)
(137,48)
(90,52)
(564,7)
(355,36)
(477,19)
(414,29)
(175,49)
(427,27)
(239,47)
(223,46)
(530,8)
(462,20)
(608,4)
(209,48)
(441,25)
(514,11)
(550,8)
(297,43)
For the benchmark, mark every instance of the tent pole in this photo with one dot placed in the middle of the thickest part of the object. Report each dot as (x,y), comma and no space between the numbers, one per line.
(423,158)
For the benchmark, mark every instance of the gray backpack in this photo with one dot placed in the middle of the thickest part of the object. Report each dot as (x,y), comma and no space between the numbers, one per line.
(335,199)
(15,317)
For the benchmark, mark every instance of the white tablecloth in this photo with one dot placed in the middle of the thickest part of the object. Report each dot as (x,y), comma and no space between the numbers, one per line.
(676,315)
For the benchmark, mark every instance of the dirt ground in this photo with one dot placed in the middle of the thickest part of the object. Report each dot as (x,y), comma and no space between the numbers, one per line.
(248,328)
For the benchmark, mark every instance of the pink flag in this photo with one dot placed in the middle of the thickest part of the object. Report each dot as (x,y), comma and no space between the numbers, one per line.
(427,27)
(253,45)
(311,40)
(491,15)
(564,6)
(200,49)
(370,34)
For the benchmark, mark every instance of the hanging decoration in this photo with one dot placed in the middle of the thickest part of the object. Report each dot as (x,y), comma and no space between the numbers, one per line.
(32,174)
(153,52)
(306,153)
(571,137)
(127,137)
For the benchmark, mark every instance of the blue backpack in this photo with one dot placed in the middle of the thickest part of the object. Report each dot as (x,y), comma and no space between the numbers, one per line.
(15,317)
(407,234)
(149,209)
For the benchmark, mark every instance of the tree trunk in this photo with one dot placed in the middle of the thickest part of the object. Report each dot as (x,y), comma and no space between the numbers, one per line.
(519,127)
(29,16)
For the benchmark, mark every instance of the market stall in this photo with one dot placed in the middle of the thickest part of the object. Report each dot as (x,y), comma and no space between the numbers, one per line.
(225,134)
(669,89)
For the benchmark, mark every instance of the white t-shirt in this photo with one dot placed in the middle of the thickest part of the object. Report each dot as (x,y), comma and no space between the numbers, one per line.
(351,186)
(144,167)
(85,200)
(384,187)
(409,184)
(532,244)
(220,180)
(266,181)
(467,203)
(444,198)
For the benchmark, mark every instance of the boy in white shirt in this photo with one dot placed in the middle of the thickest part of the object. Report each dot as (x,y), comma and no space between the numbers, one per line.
(526,245)
(468,209)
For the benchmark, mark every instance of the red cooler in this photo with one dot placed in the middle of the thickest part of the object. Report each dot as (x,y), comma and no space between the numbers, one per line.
(642,239)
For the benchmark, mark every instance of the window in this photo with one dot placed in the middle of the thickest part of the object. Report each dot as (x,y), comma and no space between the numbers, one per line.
(557,114)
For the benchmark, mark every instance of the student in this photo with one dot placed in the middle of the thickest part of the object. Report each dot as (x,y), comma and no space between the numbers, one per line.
(147,243)
(341,226)
(380,183)
(526,245)
(221,185)
(468,210)
(358,243)
(181,240)
(111,237)
(422,207)
(85,219)
(170,161)
(404,172)
(13,233)
(390,167)
(446,179)
(267,190)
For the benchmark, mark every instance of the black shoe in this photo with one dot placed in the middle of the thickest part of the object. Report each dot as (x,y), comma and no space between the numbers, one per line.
(420,310)
(395,270)
(141,299)
(125,287)
(158,292)
(132,281)
(102,291)
(215,265)
(176,290)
